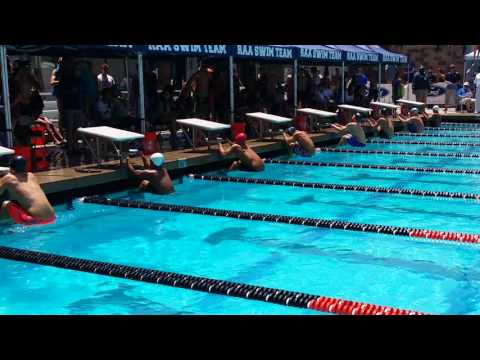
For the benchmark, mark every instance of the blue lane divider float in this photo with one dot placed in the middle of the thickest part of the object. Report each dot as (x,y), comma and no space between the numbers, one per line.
(452,129)
(324,186)
(203,284)
(375,167)
(402,153)
(294,220)
(432,143)
(436,135)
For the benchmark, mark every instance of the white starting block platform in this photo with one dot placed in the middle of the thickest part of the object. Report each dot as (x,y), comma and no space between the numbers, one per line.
(355,108)
(385,105)
(111,134)
(411,103)
(269,119)
(318,113)
(201,129)
(6,151)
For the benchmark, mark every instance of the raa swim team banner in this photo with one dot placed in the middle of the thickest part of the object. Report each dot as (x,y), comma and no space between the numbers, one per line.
(272,52)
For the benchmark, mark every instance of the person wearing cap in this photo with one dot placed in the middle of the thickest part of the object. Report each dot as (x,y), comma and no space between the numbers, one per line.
(27,204)
(421,85)
(453,76)
(414,123)
(435,120)
(465,97)
(249,159)
(154,178)
(351,134)
(299,142)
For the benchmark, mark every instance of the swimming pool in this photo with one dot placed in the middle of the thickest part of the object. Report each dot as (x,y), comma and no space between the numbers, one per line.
(398,271)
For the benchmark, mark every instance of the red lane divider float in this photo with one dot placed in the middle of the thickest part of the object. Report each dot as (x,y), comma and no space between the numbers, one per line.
(344,307)
(294,220)
(203,284)
(375,167)
(341,187)
(402,153)
(387,142)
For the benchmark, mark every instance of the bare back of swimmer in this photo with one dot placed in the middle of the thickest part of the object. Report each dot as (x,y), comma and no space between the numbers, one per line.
(28,204)
(249,159)
(155,177)
(414,123)
(299,142)
(352,134)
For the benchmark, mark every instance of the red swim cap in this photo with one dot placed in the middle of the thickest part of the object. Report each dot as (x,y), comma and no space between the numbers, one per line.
(241,138)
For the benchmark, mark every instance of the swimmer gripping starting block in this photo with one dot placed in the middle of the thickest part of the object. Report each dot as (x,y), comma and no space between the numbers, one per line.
(318,113)
(111,134)
(268,118)
(201,129)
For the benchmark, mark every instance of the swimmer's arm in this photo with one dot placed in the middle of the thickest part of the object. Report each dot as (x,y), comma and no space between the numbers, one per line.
(227,152)
(137,173)
(4,181)
(288,139)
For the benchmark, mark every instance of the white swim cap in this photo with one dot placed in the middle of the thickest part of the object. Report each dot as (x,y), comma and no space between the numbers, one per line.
(414,110)
(158,159)
(436,108)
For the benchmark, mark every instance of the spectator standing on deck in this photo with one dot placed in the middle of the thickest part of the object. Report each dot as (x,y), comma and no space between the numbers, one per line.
(453,76)
(421,85)
(477,92)
(431,76)
(360,88)
(104,79)
(397,87)
(315,94)
(73,90)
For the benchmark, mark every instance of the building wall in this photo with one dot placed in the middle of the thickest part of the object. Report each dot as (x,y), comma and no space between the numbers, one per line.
(433,56)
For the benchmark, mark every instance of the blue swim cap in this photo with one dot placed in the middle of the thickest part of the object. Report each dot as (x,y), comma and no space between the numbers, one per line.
(291,130)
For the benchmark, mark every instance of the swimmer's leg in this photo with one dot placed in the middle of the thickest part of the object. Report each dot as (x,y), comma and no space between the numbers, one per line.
(344,140)
(235,165)
(144,185)
(4,215)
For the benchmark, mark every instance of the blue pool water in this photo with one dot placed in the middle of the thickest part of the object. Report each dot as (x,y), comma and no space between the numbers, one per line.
(416,274)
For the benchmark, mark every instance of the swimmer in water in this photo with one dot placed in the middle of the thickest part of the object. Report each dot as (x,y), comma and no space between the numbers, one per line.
(299,142)
(352,134)
(414,123)
(155,177)
(383,126)
(28,204)
(249,160)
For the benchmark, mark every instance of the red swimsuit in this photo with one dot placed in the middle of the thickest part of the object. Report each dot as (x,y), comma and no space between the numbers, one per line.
(20,216)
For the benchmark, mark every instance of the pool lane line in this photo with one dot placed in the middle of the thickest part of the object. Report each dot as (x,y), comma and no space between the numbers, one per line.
(455,124)
(203,284)
(326,186)
(402,153)
(304,221)
(436,135)
(430,143)
(374,167)
(451,129)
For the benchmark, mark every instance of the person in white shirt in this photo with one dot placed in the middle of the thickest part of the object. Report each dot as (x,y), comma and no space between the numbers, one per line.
(477,94)
(104,79)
